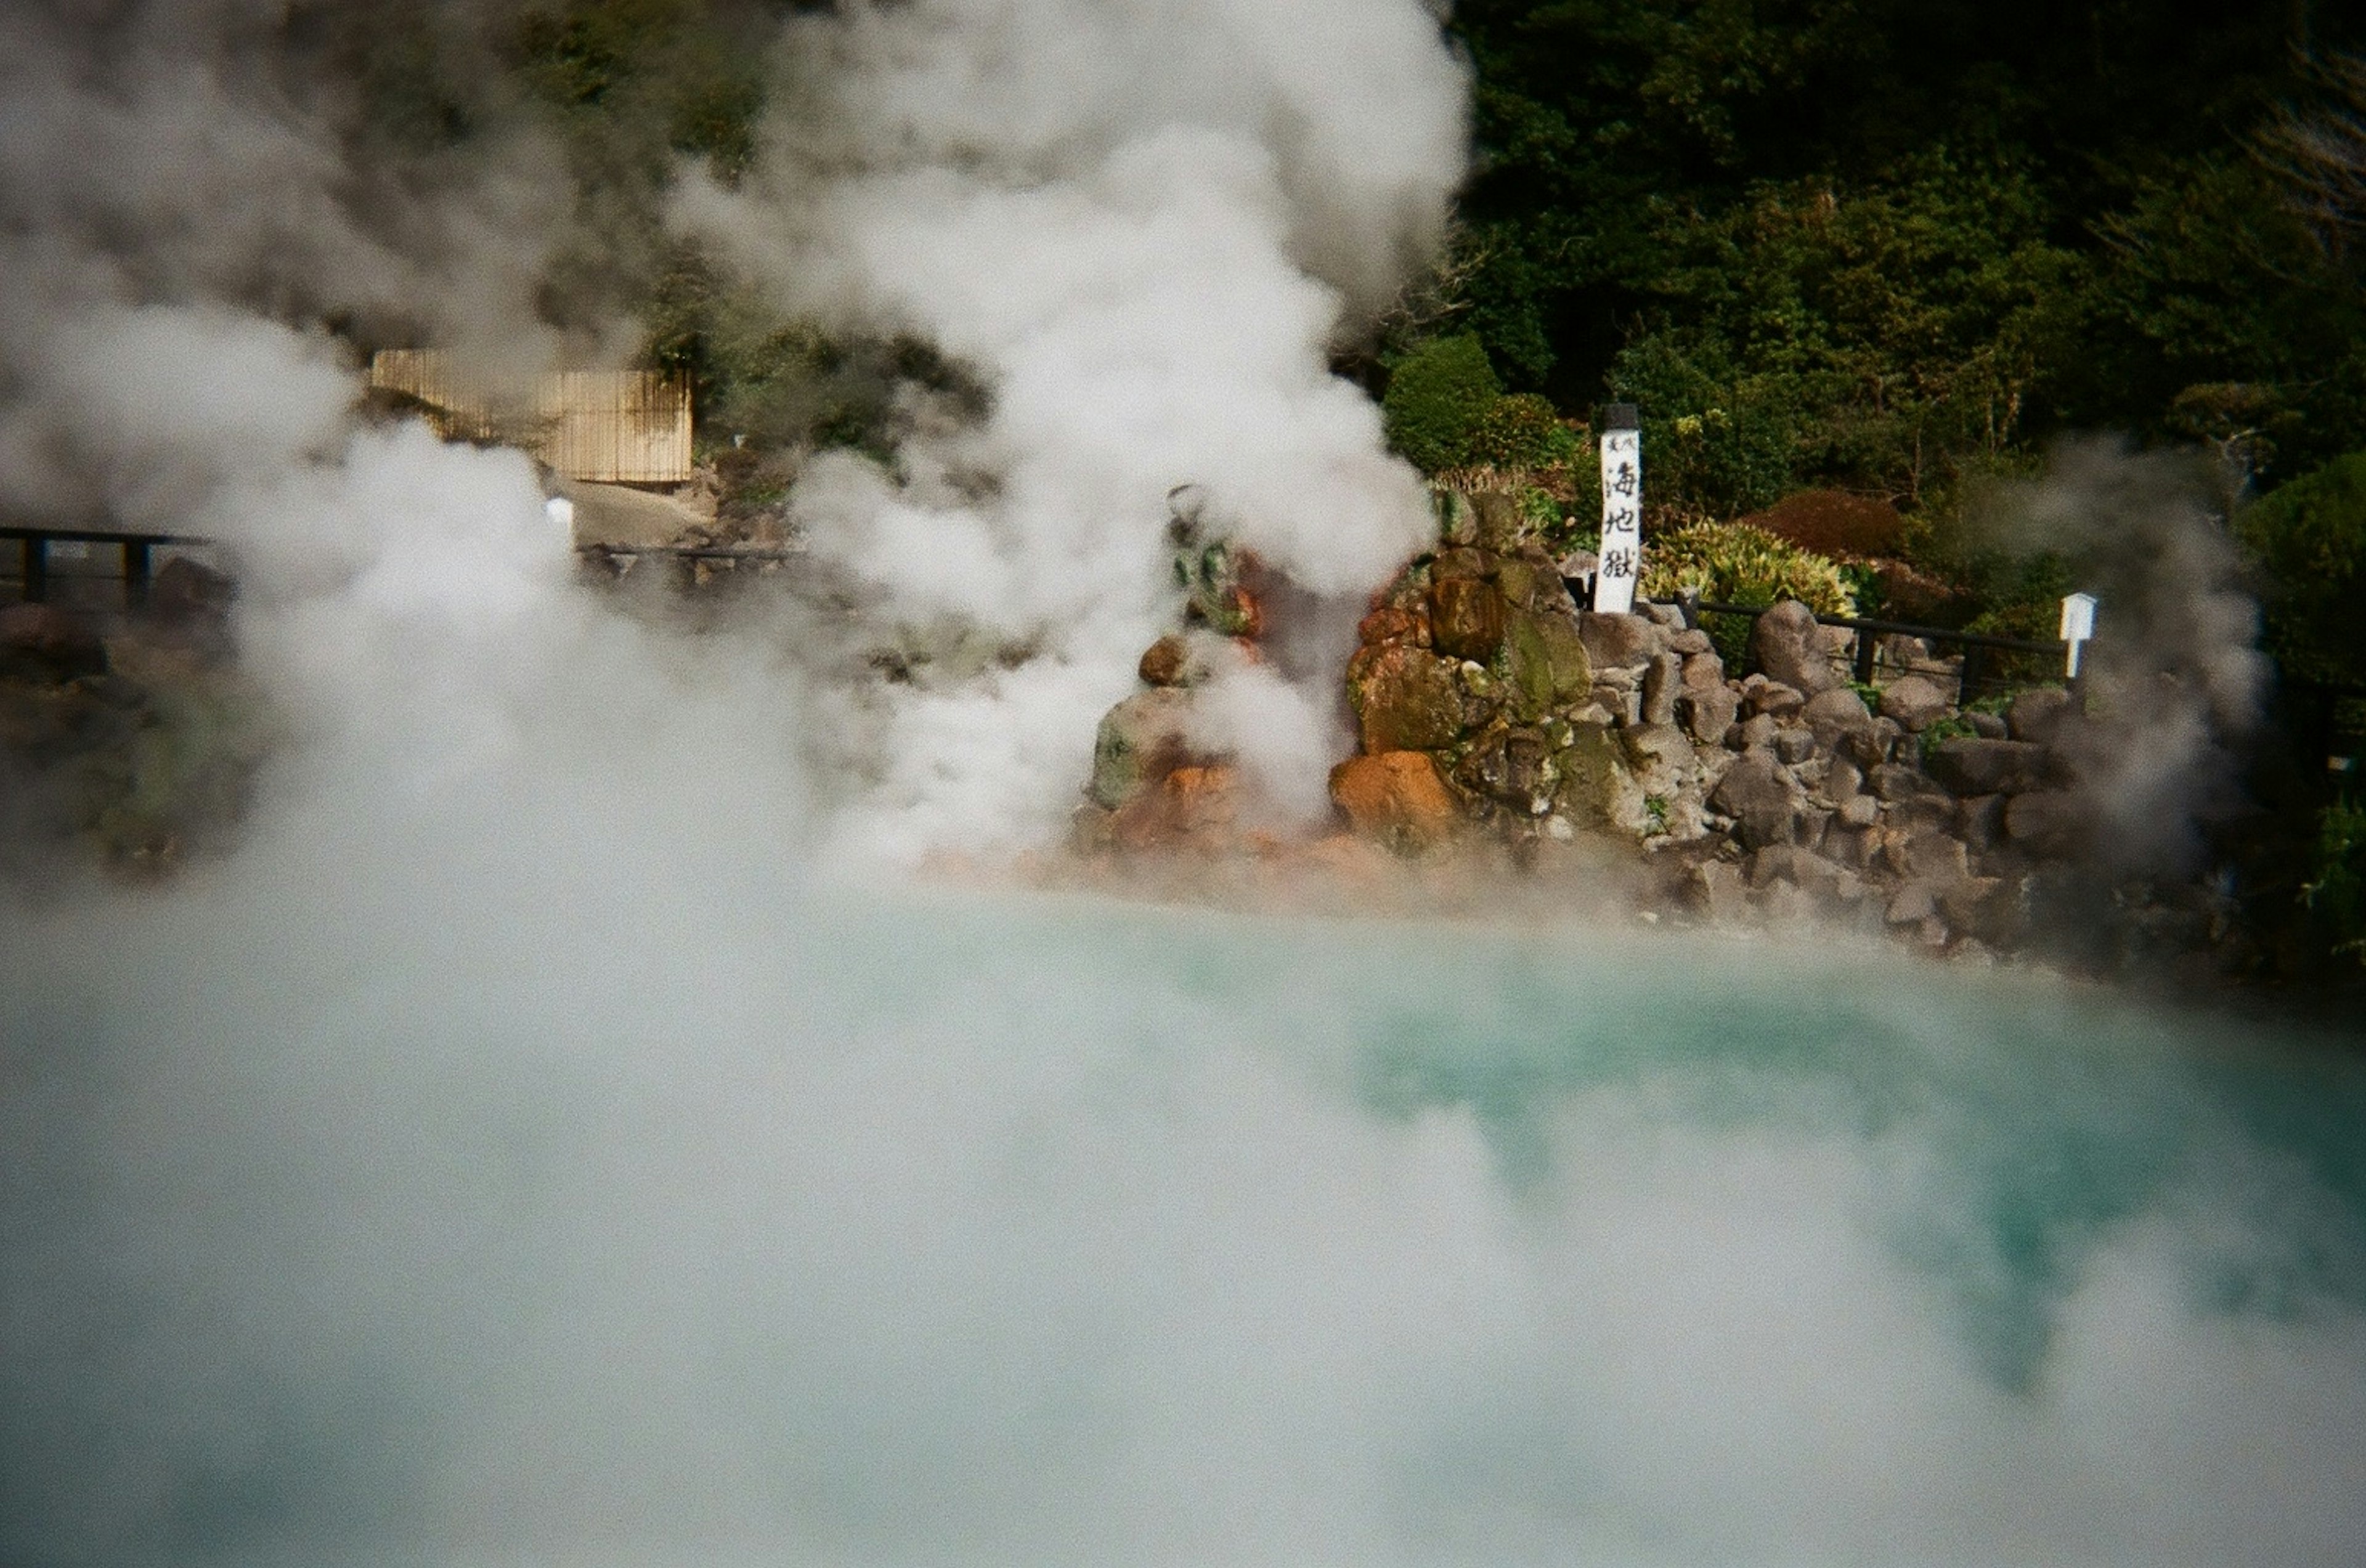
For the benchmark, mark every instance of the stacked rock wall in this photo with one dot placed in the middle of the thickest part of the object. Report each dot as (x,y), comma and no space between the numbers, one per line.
(1487,703)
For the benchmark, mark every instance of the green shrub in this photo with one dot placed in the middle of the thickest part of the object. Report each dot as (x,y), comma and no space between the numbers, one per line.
(1523,432)
(2336,896)
(1738,564)
(1741,565)
(1438,397)
(2308,541)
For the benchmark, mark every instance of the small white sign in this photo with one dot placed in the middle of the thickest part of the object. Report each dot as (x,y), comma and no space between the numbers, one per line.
(2078,628)
(1621,556)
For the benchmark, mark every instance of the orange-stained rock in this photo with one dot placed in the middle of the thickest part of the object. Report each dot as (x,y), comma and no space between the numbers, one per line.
(1238,614)
(1191,806)
(1388,624)
(1406,699)
(1165,662)
(1397,797)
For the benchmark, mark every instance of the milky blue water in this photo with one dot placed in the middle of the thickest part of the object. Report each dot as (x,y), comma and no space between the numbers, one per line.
(578,1209)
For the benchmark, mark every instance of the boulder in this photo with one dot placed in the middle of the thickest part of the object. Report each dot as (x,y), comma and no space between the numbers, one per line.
(1598,788)
(1974,766)
(1794,746)
(2036,715)
(1406,698)
(187,590)
(1788,645)
(1544,664)
(43,644)
(1662,679)
(1691,642)
(1618,640)
(1466,618)
(1915,703)
(1398,798)
(1986,909)
(1763,800)
(1193,805)
(1169,662)
(2047,822)
(1988,725)
(1707,712)
(1508,766)
(1141,741)
(1832,714)
(1893,782)
(1980,823)
(1716,890)
(1661,756)
(1390,624)
(1772,697)
(1934,853)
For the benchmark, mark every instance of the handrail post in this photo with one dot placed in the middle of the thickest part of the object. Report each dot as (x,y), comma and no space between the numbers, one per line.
(136,575)
(1866,649)
(1967,679)
(37,569)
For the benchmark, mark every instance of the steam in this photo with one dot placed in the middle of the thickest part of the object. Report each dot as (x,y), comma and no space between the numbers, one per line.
(1145,225)
(2175,677)
(518,1152)
(560,1185)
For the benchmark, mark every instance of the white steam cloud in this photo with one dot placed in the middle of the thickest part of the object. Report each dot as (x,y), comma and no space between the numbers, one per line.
(1146,224)
(515,1153)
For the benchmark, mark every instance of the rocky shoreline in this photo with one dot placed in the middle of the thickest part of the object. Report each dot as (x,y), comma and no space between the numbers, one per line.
(1490,710)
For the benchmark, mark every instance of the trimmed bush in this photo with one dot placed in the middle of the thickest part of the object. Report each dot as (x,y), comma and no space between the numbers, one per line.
(2309,541)
(1438,396)
(1522,431)
(1834,523)
(1740,564)
(1736,563)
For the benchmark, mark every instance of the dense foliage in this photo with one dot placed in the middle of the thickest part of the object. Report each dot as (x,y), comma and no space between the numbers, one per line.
(2309,540)
(1437,398)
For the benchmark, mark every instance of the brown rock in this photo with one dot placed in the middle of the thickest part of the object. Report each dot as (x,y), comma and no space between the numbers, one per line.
(1142,739)
(1466,618)
(1707,712)
(1194,806)
(1788,645)
(1508,766)
(1830,714)
(1915,703)
(2036,716)
(1974,766)
(1406,699)
(1613,641)
(1662,679)
(43,644)
(1388,624)
(2047,822)
(1396,797)
(1165,662)
(1764,801)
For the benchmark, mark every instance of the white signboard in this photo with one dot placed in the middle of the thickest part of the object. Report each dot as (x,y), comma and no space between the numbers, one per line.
(1621,555)
(2078,628)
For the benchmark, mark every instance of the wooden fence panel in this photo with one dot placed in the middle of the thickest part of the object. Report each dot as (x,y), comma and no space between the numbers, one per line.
(627,427)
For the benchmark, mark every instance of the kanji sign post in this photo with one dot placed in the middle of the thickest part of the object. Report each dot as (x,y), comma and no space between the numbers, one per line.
(2078,628)
(1620,560)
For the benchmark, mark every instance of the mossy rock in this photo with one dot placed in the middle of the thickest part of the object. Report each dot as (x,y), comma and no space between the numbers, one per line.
(1406,698)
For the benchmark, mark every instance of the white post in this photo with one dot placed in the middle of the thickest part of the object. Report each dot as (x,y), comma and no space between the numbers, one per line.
(1620,559)
(2078,628)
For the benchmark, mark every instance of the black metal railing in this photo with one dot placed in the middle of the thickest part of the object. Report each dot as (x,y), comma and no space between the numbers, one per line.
(1980,649)
(138,556)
